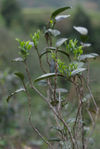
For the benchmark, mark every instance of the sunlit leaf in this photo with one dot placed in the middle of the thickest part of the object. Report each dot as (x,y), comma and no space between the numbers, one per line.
(46,76)
(60,42)
(19,59)
(79,64)
(81,30)
(58,11)
(20,75)
(61,17)
(61,90)
(12,94)
(77,71)
(84,45)
(86,56)
(54,32)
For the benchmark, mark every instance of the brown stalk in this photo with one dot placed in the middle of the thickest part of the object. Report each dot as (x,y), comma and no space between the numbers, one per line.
(51,107)
(29,106)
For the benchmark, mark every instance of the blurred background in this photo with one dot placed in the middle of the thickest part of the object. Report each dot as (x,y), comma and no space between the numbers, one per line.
(19,19)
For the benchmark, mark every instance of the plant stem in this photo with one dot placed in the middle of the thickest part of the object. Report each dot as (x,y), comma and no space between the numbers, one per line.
(51,107)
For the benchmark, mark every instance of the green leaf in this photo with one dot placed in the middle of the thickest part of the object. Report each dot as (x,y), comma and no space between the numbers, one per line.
(19,59)
(61,17)
(47,50)
(79,64)
(54,139)
(51,49)
(44,52)
(56,12)
(81,30)
(84,45)
(54,32)
(60,42)
(61,90)
(12,94)
(77,71)
(18,40)
(46,76)
(20,75)
(86,56)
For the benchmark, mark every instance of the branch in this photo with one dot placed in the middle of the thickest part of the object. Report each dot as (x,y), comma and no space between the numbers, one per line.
(34,128)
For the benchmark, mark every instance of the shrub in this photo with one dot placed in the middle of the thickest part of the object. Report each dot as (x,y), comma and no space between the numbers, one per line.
(72,119)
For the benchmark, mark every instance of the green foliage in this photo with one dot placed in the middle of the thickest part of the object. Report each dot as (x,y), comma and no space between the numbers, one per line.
(53,32)
(61,42)
(69,116)
(74,48)
(12,94)
(19,59)
(61,17)
(88,56)
(24,47)
(35,38)
(64,69)
(81,30)
(46,76)
(58,11)
(55,18)
(20,75)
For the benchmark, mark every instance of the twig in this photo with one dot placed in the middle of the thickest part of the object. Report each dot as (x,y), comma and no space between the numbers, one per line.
(34,128)
(40,62)
(55,81)
(29,105)
(97,111)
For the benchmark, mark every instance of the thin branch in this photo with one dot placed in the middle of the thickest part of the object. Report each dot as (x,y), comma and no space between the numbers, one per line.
(51,107)
(29,104)
(55,80)
(40,62)
(34,128)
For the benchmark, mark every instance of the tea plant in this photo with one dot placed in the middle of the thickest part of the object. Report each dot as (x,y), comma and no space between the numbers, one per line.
(74,118)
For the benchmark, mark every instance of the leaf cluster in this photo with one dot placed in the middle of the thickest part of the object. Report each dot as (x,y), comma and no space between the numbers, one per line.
(24,47)
(35,38)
